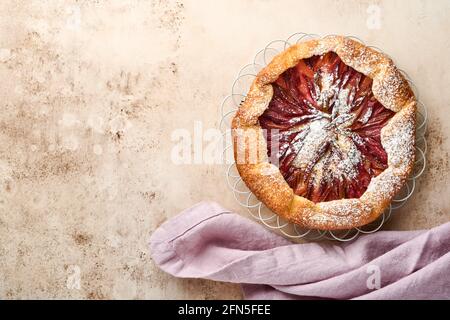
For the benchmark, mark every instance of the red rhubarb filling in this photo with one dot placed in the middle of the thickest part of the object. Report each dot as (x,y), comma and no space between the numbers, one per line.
(323,129)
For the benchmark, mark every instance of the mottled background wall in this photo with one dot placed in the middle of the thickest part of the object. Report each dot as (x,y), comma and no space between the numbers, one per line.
(90,92)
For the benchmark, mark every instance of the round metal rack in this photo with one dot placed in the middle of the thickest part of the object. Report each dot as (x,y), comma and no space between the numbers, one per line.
(255,207)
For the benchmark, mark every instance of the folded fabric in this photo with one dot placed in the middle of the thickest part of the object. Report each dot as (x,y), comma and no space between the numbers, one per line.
(210,242)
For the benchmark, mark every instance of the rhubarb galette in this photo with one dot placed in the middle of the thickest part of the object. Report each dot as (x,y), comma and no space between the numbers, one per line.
(325,136)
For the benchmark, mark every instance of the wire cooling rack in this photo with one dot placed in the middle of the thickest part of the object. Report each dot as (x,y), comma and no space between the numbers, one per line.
(255,207)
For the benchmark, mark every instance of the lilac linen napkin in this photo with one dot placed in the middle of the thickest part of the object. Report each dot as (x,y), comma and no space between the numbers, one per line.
(210,242)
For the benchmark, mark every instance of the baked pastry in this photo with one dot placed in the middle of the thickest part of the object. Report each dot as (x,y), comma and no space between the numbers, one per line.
(325,136)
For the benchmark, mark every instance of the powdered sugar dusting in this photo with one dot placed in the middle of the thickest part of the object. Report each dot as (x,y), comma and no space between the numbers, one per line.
(316,136)
(340,214)
(328,123)
(400,144)
(331,129)
(366,116)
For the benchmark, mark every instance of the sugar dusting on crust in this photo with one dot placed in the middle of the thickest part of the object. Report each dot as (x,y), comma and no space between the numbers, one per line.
(342,212)
(361,58)
(390,89)
(389,86)
(400,145)
(384,187)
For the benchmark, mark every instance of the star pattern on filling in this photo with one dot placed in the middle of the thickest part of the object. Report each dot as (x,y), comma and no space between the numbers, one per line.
(323,128)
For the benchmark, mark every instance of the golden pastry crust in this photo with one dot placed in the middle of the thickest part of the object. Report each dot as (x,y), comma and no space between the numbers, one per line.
(397,137)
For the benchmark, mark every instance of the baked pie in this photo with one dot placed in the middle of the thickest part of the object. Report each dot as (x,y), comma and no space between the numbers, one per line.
(325,136)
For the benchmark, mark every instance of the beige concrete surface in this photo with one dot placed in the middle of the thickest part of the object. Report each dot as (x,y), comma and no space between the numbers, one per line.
(90,92)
